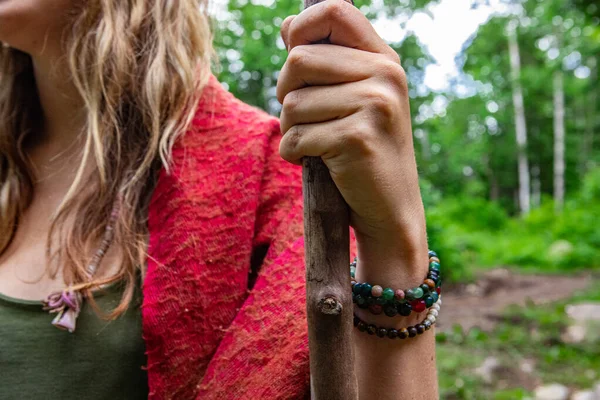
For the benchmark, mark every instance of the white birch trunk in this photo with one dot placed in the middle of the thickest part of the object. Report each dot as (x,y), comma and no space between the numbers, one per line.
(559,141)
(590,119)
(520,125)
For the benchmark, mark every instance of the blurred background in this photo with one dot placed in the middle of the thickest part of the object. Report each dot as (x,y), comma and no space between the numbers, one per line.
(506,121)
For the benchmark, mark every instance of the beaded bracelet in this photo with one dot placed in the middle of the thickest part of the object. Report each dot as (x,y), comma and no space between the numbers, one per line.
(402,333)
(393,302)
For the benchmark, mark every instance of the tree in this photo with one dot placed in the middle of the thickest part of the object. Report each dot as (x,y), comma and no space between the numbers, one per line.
(520,124)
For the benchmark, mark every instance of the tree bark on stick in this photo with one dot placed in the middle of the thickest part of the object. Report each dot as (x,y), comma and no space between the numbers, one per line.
(328,296)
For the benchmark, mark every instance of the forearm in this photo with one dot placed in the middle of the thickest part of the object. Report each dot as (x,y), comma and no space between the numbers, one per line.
(394,368)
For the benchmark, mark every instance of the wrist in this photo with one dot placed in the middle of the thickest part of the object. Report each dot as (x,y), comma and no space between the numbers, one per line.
(397,259)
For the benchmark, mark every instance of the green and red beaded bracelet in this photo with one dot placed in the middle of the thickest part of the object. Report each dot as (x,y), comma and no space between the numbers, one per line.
(399,302)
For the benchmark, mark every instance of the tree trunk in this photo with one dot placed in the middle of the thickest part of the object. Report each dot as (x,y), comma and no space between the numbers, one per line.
(520,125)
(590,118)
(536,187)
(559,140)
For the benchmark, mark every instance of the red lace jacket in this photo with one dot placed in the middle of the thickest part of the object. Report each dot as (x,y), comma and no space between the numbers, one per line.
(229,203)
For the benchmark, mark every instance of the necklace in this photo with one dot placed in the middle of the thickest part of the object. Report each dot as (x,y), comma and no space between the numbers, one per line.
(66,304)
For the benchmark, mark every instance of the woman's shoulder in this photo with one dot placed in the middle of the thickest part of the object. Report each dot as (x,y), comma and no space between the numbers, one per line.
(230,144)
(223,120)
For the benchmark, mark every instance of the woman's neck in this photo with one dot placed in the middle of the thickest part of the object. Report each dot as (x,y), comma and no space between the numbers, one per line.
(63,114)
(63,108)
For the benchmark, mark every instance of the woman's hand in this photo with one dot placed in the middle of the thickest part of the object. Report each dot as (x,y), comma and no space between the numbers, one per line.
(347,102)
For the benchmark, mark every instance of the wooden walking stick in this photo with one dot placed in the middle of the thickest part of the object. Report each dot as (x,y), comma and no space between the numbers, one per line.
(328,296)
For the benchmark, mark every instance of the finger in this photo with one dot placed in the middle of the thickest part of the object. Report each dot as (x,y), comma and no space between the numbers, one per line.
(325,139)
(325,64)
(285,27)
(339,22)
(318,104)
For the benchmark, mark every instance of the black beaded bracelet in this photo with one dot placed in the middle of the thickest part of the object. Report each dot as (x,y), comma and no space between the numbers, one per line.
(402,333)
(393,302)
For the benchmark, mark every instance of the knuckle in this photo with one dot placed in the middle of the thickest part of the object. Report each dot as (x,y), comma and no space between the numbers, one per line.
(359,138)
(335,9)
(394,72)
(291,103)
(394,57)
(382,102)
(298,58)
(289,143)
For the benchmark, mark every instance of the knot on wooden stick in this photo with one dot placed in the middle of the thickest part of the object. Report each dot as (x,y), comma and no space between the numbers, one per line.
(330,306)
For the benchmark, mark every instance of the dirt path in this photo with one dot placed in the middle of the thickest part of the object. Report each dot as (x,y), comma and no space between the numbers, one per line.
(481,303)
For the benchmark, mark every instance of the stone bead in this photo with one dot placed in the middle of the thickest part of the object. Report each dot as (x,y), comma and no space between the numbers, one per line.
(357,289)
(381,301)
(418,305)
(412,331)
(356,320)
(433,312)
(430,284)
(428,300)
(370,301)
(362,326)
(399,294)
(417,293)
(381,332)
(435,296)
(402,333)
(437,260)
(420,328)
(371,329)
(431,318)
(438,290)
(434,265)
(425,288)
(427,324)
(352,272)
(432,253)
(410,294)
(366,289)
(436,307)
(392,333)
(388,294)
(404,309)
(376,291)
(376,309)
(390,311)
(361,301)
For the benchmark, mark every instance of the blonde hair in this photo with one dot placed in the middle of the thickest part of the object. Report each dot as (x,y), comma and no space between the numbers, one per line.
(139,67)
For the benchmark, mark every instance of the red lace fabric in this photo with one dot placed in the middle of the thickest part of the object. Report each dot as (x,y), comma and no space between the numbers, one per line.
(229,194)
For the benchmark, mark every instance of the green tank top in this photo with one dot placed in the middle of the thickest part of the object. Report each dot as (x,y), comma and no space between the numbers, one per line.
(100,360)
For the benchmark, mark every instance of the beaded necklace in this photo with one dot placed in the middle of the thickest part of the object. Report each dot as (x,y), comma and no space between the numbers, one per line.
(66,304)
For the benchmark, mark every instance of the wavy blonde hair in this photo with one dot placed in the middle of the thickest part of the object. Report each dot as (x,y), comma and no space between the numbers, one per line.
(139,67)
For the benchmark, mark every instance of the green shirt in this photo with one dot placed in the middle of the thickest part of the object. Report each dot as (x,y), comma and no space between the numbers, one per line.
(100,360)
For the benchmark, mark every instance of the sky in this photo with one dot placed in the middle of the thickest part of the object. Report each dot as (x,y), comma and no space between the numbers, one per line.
(443,30)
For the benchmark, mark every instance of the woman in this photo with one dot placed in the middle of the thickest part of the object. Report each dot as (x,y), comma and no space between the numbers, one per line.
(128,175)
